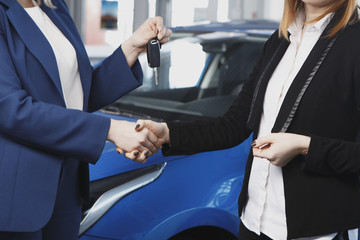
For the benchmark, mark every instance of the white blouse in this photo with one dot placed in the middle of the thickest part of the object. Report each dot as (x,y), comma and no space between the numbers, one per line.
(265,210)
(65,58)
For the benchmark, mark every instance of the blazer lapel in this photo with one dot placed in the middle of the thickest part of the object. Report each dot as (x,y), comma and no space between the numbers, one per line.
(259,93)
(306,73)
(38,46)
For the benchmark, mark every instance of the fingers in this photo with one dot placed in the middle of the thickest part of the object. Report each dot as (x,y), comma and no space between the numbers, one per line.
(148,142)
(165,35)
(261,142)
(140,124)
(119,150)
(153,140)
(261,145)
(137,156)
(141,143)
(157,26)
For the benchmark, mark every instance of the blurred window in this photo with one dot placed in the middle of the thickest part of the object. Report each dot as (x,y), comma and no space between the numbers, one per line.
(100,38)
(182,63)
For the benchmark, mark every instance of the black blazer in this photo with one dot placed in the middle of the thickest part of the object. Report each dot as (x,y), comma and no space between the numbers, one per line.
(322,189)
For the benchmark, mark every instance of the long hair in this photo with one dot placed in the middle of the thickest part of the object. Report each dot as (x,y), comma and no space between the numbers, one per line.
(292,7)
(47,3)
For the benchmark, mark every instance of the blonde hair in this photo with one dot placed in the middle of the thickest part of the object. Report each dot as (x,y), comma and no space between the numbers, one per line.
(47,3)
(348,11)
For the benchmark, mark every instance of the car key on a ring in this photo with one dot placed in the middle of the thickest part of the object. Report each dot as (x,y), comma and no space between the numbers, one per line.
(153,57)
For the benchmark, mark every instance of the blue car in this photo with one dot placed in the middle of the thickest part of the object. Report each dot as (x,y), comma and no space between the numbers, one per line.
(188,197)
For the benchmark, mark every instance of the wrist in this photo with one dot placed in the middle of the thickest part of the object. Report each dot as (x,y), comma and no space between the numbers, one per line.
(111,129)
(167,133)
(114,130)
(304,145)
(131,52)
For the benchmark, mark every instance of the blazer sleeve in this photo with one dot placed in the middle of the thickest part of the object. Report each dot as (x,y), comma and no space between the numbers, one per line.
(332,157)
(217,133)
(112,79)
(335,156)
(47,127)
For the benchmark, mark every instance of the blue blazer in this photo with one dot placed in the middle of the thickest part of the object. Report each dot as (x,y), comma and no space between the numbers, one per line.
(37,132)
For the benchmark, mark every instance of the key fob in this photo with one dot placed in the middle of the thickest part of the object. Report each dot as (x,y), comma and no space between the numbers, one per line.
(153,53)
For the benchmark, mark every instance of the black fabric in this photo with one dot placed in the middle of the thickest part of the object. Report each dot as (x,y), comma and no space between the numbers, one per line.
(322,190)
(246,234)
(342,236)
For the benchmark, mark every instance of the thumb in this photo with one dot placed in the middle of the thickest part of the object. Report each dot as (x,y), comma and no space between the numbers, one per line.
(140,124)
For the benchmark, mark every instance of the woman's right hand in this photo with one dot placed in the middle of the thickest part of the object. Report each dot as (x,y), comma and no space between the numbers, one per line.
(137,145)
(160,130)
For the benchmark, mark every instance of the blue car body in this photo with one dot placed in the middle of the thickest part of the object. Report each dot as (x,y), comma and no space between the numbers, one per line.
(174,197)
(192,191)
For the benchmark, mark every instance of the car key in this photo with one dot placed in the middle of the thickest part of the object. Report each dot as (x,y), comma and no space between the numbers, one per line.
(153,57)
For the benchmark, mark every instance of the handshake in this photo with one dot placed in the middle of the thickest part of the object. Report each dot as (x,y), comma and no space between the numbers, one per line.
(138,140)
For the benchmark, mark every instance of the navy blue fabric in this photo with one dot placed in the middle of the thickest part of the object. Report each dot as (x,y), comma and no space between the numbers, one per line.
(65,220)
(37,132)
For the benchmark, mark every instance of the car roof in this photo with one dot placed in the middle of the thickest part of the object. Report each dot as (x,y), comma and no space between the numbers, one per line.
(259,26)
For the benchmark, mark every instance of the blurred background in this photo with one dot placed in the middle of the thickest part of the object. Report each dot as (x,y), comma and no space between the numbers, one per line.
(104,24)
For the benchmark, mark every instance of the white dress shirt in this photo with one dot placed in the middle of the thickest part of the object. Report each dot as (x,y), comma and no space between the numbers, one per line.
(65,57)
(265,210)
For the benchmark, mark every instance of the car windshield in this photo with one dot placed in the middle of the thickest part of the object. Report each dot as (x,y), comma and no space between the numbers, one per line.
(197,79)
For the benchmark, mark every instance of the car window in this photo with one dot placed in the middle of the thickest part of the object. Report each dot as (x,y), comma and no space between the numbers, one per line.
(181,64)
(196,79)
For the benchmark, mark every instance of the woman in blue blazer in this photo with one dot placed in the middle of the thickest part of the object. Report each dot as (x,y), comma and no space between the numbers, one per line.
(45,145)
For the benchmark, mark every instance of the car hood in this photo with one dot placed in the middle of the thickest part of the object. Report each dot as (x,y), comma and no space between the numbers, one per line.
(112,163)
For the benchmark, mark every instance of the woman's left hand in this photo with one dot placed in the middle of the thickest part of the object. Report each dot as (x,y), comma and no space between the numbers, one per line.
(280,148)
(151,28)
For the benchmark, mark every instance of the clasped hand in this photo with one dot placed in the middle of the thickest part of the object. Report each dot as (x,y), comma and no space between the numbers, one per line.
(140,140)
(137,140)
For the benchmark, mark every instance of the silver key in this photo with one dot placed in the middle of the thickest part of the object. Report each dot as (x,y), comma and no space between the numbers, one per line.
(156,80)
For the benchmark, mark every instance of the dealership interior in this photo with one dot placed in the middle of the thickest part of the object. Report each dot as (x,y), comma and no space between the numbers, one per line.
(101,40)
(232,135)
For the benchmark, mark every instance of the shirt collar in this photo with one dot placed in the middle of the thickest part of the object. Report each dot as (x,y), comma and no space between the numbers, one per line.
(322,23)
(319,26)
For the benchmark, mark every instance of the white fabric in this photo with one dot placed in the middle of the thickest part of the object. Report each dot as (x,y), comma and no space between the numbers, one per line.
(65,57)
(265,210)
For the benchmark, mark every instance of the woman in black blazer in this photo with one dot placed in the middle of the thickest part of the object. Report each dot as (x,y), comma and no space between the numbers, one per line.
(311,142)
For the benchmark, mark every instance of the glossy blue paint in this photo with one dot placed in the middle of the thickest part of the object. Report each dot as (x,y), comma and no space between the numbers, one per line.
(199,190)
(195,190)
(112,163)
